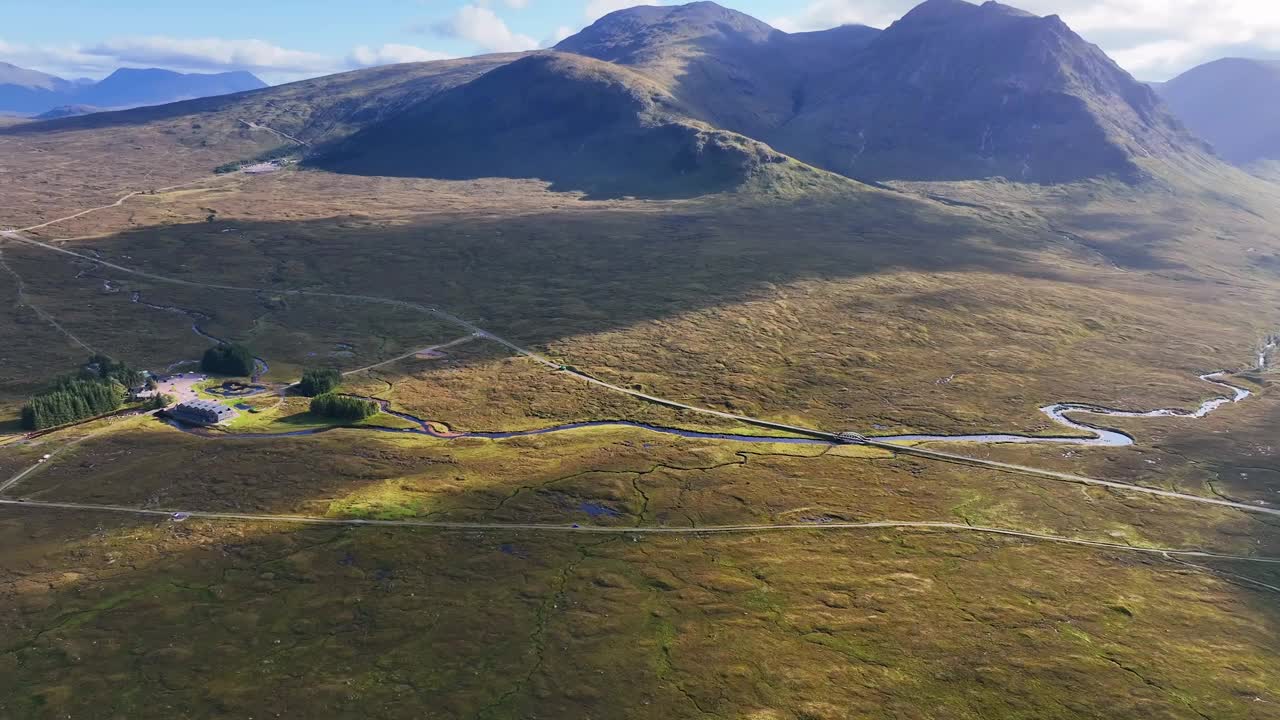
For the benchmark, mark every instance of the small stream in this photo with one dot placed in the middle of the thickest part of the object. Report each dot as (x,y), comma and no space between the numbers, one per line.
(260,365)
(1094,435)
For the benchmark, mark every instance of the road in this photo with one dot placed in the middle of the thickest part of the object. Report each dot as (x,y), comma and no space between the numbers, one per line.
(108,206)
(606,530)
(273,131)
(1067,477)
(411,353)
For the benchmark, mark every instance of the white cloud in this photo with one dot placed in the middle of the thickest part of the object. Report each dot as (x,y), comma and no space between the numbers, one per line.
(56,59)
(561,33)
(516,4)
(206,54)
(824,14)
(482,26)
(1151,38)
(596,9)
(365,56)
(272,63)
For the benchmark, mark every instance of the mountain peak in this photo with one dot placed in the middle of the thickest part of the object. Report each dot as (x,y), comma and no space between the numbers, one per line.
(625,35)
(946,11)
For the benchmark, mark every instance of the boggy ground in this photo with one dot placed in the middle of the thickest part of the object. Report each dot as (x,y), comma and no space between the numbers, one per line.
(105,618)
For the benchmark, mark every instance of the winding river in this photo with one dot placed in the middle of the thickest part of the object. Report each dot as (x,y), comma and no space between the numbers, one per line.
(1091,435)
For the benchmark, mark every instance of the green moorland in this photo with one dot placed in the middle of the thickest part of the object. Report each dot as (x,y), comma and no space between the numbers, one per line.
(858,308)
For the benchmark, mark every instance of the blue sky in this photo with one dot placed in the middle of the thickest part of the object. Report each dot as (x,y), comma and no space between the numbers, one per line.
(282,40)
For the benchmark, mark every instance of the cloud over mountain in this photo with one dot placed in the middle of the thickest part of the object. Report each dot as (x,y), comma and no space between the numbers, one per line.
(480,25)
(390,54)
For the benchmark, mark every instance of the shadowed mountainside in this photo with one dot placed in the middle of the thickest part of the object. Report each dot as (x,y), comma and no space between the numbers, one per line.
(578,122)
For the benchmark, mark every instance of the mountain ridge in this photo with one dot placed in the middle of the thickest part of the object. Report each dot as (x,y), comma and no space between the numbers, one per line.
(927,98)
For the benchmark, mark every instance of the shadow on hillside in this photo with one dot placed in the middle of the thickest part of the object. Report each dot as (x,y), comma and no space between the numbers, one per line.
(541,276)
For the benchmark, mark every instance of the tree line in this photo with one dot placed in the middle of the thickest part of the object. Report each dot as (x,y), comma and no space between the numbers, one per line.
(100,387)
(343,407)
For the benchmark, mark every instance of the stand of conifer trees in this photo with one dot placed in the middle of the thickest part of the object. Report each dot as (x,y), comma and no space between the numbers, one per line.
(343,407)
(319,381)
(232,359)
(72,399)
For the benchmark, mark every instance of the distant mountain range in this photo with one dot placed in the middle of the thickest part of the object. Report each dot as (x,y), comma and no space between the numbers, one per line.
(1234,103)
(29,92)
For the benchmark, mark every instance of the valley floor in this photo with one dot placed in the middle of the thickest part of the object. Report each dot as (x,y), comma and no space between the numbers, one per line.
(357,574)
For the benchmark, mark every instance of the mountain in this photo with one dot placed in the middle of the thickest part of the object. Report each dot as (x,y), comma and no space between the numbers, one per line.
(1234,103)
(952,90)
(128,87)
(29,91)
(955,90)
(578,122)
